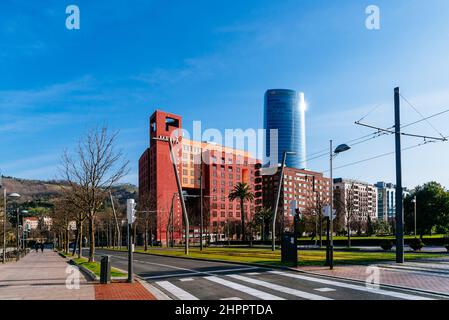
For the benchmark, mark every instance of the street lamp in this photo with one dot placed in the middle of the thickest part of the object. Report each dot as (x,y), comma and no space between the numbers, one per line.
(414,202)
(332,154)
(14,196)
(281,178)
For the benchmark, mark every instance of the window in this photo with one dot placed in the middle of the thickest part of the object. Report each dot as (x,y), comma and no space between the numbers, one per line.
(214,214)
(223,214)
(230,214)
(185,180)
(184,172)
(223,206)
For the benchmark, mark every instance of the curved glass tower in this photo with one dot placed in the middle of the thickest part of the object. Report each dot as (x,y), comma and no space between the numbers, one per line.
(285,111)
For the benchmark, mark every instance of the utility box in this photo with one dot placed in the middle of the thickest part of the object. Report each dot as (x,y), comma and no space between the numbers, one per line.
(289,249)
(105,270)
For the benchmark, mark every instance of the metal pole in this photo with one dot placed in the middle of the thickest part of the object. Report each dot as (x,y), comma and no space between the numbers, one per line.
(399,204)
(181,197)
(278,194)
(18,237)
(415,216)
(119,238)
(130,256)
(4,226)
(201,200)
(331,211)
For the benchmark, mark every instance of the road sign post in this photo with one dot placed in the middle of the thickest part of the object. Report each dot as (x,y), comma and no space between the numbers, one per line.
(131,215)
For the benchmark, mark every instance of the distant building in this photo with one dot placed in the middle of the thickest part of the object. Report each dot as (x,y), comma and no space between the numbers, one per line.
(386,200)
(30,223)
(303,189)
(284,111)
(363,198)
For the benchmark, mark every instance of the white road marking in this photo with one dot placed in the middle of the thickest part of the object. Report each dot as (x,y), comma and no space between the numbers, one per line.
(169,275)
(176,291)
(325,289)
(186,279)
(293,292)
(232,298)
(253,292)
(253,273)
(352,286)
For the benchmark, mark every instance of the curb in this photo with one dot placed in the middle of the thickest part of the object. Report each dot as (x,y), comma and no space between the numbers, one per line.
(90,274)
(158,294)
(295,270)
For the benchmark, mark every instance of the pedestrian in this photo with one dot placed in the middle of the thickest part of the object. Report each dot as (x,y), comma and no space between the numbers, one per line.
(36,246)
(42,247)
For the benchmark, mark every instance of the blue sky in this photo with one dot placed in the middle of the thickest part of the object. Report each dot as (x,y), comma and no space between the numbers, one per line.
(212,61)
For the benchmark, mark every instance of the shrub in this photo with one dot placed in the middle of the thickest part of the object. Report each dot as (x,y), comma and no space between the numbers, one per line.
(386,245)
(416,244)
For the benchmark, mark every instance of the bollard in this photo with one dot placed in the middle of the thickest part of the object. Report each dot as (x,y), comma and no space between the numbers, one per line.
(105,270)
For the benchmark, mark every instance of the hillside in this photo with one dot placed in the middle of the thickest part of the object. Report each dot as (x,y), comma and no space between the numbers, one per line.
(46,191)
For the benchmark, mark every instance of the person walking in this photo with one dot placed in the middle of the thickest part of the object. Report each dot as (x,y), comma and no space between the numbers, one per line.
(42,247)
(36,246)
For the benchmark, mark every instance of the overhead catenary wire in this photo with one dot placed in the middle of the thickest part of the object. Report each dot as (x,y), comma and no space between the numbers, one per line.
(423,118)
(383,155)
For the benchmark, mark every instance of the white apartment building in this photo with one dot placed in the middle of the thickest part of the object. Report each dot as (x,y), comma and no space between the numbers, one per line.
(362,195)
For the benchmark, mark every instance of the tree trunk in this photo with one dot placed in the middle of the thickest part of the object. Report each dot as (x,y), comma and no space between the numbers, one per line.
(145,237)
(321,232)
(242,210)
(80,240)
(92,240)
(67,240)
(349,235)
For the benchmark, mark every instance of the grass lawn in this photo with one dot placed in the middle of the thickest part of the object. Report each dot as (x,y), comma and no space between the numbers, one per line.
(266,256)
(434,236)
(92,266)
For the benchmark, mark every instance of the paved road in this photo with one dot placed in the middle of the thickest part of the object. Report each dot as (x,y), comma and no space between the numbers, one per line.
(183,279)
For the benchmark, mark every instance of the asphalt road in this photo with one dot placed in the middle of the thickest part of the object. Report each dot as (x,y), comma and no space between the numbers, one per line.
(183,279)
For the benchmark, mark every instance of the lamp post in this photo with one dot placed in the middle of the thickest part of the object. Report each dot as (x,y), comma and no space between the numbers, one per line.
(333,153)
(13,196)
(281,179)
(4,226)
(414,202)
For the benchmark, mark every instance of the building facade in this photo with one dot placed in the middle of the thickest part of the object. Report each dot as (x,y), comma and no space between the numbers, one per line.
(386,200)
(284,111)
(221,168)
(356,199)
(305,190)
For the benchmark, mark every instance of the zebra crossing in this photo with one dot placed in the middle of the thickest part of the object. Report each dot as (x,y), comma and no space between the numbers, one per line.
(272,285)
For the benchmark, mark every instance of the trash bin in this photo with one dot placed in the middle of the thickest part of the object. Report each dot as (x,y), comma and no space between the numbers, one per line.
(289,249)
(105,270)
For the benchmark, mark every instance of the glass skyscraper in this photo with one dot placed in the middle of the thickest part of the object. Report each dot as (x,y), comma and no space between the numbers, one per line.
(285,111)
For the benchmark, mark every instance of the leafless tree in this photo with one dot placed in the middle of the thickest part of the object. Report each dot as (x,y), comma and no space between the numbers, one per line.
(91,171)
(347,209)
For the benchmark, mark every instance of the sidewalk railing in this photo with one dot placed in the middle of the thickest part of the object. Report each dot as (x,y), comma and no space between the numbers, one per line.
(12,255)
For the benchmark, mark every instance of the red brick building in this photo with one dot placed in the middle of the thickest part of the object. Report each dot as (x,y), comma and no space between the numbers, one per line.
(222,168)
(303,189)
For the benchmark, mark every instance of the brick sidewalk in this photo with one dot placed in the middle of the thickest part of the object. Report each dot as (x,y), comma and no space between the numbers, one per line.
(41,276)
(122,291)
(415,279)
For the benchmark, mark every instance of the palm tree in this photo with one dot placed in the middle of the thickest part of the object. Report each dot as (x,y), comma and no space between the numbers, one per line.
(262,218)
(243,193)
